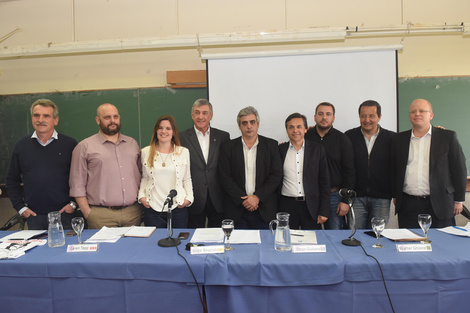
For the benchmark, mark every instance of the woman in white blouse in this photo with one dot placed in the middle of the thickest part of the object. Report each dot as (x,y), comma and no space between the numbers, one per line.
(165,166)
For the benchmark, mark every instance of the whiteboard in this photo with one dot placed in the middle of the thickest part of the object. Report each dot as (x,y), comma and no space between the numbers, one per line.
(280,85)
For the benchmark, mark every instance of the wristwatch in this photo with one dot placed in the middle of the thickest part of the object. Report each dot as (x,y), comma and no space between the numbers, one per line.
(73,205)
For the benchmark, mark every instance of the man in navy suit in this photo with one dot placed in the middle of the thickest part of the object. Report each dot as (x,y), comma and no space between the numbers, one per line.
(203,143)
(429,171)
(250,172)
(305,188)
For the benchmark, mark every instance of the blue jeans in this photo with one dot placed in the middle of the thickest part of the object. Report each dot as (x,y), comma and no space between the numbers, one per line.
(334,221)
(179,218)
(365,208)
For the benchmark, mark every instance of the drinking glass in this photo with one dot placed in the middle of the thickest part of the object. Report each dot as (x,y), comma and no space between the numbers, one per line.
(77,224)
(378,225)
(227,227)
(424,221)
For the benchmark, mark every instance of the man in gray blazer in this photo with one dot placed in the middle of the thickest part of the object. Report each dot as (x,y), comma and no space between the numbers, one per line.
(203,143)
(429,171)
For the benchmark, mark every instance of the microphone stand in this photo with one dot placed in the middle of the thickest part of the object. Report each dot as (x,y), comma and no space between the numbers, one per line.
(169,242)
(351,241)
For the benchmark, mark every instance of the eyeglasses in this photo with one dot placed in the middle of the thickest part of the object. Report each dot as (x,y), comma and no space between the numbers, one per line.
(419,111)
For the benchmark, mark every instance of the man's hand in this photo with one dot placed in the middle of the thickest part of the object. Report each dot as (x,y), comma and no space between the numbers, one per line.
(67,209)
(343,209)
(28,213)
(321,219)
(458,208)
(251,202)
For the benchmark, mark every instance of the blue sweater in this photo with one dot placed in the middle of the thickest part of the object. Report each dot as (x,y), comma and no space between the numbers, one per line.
(44,172)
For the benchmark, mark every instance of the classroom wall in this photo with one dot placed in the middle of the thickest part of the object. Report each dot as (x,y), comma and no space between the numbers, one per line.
(68,21)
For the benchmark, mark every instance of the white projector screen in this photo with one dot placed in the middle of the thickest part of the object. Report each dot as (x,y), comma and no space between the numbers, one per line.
(278,86)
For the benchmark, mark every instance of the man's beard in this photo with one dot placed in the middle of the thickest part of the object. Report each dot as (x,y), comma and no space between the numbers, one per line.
(323,127)
(107,131)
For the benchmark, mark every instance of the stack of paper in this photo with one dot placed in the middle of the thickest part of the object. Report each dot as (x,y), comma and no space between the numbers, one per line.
(215,235)
(401,234)
(245,236)
(111,235)
(24,235)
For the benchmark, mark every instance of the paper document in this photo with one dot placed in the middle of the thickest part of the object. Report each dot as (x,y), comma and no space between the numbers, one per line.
(245,236)
(140,231)
(401,234)
(23,235)
(15,248)
(108,234)
(300,237)
(463,231)
(215,235)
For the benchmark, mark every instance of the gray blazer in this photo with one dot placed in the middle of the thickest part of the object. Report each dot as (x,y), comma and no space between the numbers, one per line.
(205,176)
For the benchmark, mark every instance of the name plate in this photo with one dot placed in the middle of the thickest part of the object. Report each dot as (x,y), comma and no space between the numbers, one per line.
(208,249)
(308,248)
(83,248)
(416,247)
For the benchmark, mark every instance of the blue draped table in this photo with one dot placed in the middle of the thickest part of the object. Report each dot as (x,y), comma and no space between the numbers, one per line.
(136,275)
(344,279)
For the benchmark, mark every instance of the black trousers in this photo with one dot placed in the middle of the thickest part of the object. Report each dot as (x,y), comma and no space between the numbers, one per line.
(299,217)
(412,206)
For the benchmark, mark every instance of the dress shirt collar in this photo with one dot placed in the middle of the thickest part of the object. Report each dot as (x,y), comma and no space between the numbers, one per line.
(254,145)
(428,133)
(198,132)
(103,138)
(54,136)
(291,146)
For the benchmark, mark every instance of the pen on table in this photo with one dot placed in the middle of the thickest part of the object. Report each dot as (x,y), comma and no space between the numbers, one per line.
(296,235)
(460,228)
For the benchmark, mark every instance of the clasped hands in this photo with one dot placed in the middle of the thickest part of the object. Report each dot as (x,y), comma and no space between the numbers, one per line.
(250,202)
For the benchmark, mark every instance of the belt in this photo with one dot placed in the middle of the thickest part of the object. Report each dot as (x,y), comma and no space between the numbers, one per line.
(417,197)
(118,207)
(295,198)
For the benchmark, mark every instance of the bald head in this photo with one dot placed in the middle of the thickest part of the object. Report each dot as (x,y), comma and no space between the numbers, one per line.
(421,115)
(105,107)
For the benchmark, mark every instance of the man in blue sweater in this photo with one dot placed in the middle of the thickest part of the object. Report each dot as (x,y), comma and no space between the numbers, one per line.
(371,145)
(41,162)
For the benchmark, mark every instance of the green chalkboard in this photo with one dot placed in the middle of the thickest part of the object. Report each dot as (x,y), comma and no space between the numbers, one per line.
(139,110)
(450,98)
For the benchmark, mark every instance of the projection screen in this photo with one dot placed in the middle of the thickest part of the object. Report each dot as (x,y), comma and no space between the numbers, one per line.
(280,85)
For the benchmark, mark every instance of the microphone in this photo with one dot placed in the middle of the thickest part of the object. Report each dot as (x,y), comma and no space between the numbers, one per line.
(345,192)
(170,196)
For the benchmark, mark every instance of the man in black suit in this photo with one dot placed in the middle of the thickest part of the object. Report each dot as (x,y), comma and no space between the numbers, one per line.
(305,188)
(203,143)
(250,172)
(429,171)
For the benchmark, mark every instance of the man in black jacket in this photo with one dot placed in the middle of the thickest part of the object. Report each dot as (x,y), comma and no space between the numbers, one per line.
(340,157)
(371,145)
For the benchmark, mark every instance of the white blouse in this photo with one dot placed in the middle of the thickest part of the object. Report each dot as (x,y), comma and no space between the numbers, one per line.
(157,181)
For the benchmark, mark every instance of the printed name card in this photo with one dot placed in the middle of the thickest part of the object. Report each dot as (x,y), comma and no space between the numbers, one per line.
(308,248)
(83,248)
(208,249)
(415,247)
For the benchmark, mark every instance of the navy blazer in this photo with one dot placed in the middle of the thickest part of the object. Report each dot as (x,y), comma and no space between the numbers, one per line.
(447,170)
(316,178)
(205,176)
(268,177)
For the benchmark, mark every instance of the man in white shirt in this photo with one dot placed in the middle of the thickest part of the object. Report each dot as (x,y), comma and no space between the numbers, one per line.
(250,172)
(305,189)
(429,171)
